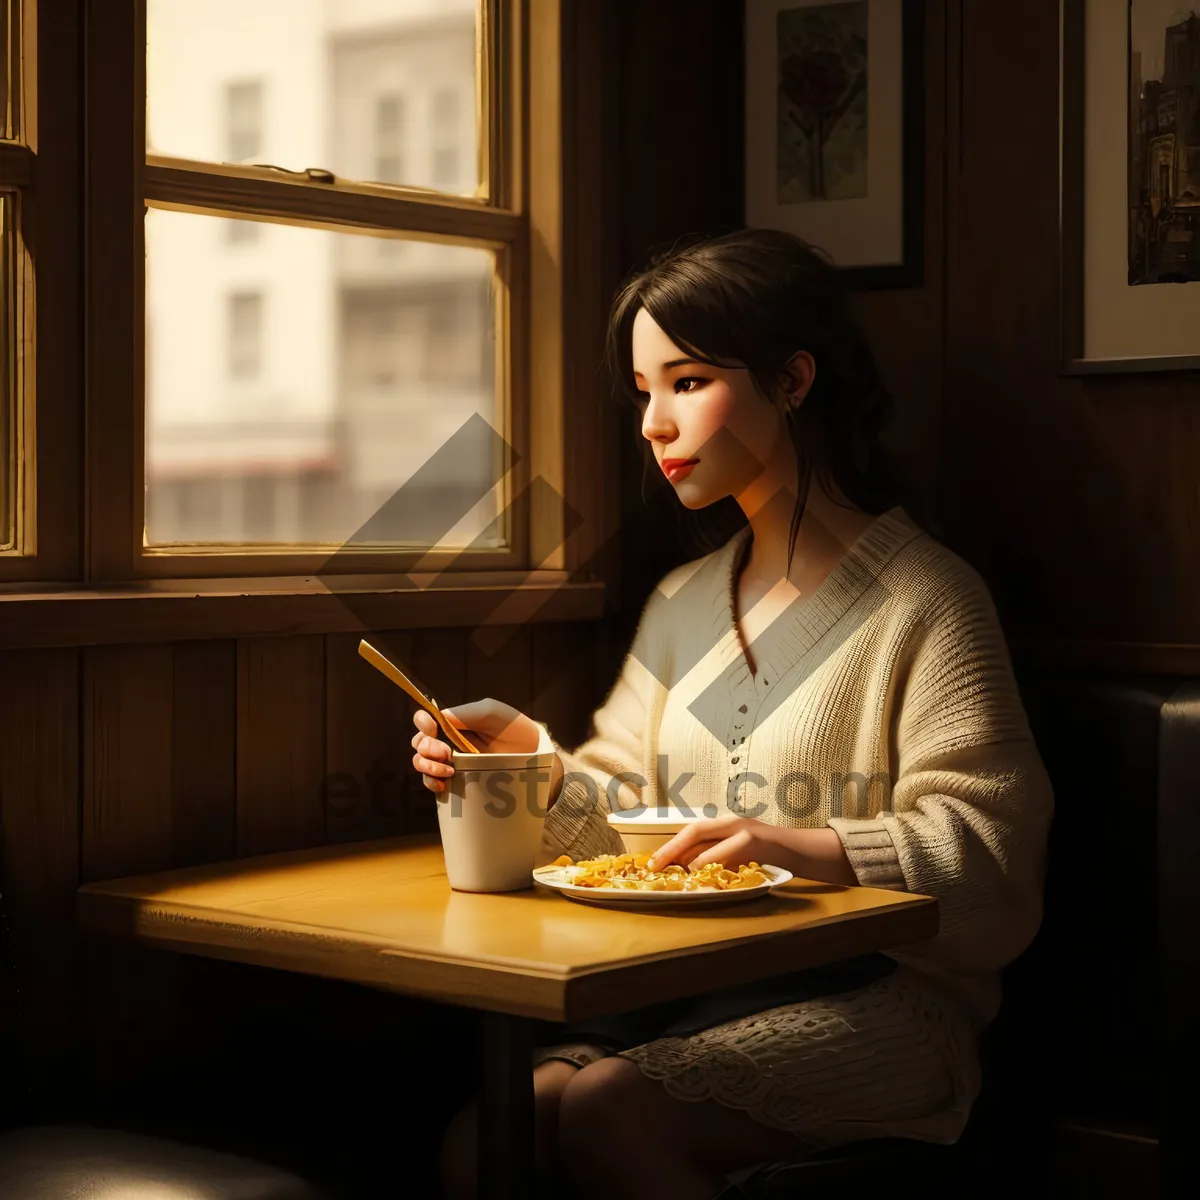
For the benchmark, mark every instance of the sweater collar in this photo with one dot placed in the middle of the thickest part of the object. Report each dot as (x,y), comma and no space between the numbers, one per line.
(807,621)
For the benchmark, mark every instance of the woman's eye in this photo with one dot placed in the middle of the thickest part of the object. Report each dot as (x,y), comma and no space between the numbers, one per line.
(687,379)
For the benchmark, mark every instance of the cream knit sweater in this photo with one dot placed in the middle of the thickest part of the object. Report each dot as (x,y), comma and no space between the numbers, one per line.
(883,706)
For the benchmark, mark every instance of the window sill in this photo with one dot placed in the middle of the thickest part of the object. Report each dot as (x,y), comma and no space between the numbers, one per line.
(169,610)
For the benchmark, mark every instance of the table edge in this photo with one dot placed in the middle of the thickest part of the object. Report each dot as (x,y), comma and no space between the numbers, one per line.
(514,986)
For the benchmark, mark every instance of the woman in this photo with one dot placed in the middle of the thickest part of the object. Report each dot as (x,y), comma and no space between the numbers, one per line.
(830,686)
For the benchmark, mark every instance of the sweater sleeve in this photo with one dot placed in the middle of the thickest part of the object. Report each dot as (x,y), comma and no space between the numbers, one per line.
(607,771)
(971,802)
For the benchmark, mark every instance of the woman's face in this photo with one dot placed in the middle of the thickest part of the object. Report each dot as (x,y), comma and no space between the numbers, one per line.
(691,410)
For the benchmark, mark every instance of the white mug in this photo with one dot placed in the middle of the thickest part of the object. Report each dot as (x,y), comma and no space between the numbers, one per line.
(491,817)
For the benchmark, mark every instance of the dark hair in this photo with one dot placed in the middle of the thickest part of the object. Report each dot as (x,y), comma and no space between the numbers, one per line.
(754,298)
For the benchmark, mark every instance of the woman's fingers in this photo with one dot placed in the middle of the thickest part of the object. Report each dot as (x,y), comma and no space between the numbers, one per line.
(433,774)
(693,852)
(681,848)
(428,765)
(426,724)
(424,740)
(432,757)
(431,748)
(731,853)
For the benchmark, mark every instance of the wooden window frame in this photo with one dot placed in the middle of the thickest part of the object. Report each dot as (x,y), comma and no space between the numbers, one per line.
(75,584)
(41,168)
(524,212)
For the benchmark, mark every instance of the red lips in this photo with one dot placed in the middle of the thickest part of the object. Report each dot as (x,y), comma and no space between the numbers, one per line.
(676,468)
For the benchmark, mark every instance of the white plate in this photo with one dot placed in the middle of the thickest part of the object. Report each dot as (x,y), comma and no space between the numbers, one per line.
(610,897)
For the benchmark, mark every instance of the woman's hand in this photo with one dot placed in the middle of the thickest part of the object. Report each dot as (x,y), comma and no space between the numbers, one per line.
(730,840)
(493,726)
(734,841)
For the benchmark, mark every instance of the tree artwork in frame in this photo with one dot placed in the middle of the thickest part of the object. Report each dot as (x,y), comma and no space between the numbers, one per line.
(1130,184)
(835,120)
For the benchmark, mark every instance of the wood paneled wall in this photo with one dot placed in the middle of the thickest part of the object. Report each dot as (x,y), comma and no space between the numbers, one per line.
(124,759)
(1078,497)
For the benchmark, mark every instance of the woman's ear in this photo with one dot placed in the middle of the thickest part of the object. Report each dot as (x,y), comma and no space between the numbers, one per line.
(797,378)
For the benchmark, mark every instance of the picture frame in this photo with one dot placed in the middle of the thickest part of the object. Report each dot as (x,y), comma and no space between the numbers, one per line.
(835,131)
(1129,299)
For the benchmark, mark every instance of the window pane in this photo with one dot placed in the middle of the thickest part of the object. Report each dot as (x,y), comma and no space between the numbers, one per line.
(8,336)
(375,90)
(245,335)
(241,232)
(295,383)
(243,120)
(389,139)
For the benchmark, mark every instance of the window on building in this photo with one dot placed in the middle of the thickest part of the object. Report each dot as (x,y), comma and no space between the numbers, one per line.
(243,140)
(389,139)
(243,120)
(245,335)
(241,233)
(444,131)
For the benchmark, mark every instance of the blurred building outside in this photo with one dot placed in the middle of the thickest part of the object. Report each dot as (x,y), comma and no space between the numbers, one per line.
(295,378)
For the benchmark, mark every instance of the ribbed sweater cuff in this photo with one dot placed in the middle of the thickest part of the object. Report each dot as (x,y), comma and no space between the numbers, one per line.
(871,851)
(566,820)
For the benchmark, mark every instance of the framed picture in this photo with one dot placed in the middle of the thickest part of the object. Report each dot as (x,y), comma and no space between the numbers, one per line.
(835,124)
(1130,185)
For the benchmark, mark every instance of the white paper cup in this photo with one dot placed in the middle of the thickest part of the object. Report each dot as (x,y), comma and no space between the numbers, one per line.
(491,818)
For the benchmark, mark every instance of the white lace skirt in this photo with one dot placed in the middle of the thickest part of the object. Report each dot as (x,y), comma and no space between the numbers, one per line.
(891,1059)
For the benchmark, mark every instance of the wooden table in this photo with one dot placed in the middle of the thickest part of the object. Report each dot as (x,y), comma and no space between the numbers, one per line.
(381,913)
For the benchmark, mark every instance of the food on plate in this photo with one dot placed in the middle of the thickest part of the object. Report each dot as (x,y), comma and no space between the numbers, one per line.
(632,871)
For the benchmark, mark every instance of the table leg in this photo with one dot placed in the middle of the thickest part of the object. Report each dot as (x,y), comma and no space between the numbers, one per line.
(506,1109)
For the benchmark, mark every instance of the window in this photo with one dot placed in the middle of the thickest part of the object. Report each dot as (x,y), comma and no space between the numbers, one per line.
(243,141)
(243,121)
(446,143)
(331,385)
(9,445)
(11,450)
(31,500)
(245,335)
(310,392)
(241,233)
(389,139)
(295,388)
